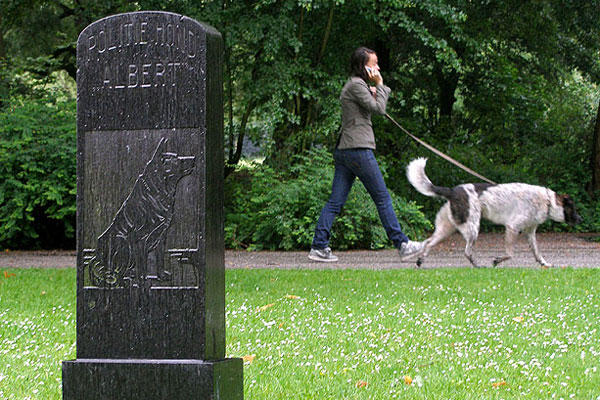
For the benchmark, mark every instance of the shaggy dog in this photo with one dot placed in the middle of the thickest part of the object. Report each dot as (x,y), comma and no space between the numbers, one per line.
(517,206)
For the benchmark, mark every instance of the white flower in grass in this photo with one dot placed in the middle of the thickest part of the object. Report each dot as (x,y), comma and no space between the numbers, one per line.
(418,381)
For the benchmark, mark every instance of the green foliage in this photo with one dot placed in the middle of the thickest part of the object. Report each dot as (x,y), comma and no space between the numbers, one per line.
(37,173)
(274,209)
(509,88)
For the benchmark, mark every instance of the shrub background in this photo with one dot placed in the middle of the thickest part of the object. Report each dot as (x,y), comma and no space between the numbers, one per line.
(265,207)
(268,206)
(516,100)
(38,173)
(272,209)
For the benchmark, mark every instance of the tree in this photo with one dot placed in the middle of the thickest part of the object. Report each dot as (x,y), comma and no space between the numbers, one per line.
(465,66)
(507,84)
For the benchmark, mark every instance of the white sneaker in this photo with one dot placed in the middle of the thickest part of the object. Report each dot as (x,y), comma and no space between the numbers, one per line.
(409,248)
(322,255)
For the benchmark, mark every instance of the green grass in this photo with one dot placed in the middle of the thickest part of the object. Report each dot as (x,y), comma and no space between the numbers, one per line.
(37,331)
(355,334)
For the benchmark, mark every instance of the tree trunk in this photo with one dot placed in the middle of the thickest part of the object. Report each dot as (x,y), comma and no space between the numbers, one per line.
(447,85)
(594,188)
(325,36)
(3,67)
(448,82)
(229,89)
(2,46)
(234,158)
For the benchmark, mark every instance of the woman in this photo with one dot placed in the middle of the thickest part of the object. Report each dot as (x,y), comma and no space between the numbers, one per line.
(354,156)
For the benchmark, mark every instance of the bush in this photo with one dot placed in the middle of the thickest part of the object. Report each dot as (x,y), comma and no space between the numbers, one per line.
(37,173)
(268,209)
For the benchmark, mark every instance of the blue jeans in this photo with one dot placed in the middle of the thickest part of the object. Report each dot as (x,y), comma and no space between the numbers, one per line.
(349,164)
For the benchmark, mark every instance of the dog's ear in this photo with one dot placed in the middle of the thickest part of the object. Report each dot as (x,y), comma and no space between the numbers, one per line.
(567,200)
(162,145)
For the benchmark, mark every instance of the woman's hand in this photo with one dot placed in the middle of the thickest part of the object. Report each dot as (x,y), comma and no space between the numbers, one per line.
(375,76)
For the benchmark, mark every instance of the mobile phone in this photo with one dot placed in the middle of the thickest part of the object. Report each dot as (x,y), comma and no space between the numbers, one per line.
(369,70)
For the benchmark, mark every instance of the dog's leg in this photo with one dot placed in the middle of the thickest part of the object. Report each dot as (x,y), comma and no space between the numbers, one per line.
(530,232)
(443,229)
(121,260)
(470,237)
(140,261)
(161,272)
(117,256)
(510,238)
(156,243)
(470,231)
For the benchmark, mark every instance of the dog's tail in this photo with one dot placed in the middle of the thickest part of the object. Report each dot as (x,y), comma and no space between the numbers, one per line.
(415,172)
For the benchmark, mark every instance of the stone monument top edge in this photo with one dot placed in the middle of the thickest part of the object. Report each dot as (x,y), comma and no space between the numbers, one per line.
(130,15)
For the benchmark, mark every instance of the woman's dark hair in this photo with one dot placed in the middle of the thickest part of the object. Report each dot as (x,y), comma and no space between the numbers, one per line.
(358,60)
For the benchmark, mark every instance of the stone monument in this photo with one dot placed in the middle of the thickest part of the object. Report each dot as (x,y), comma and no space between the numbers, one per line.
(150,252)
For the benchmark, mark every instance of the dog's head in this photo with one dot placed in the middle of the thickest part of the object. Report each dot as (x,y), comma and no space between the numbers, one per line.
(165,169)
(176,167)
(569,211)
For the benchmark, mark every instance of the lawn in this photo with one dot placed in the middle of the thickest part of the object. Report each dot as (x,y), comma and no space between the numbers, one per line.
(355,334)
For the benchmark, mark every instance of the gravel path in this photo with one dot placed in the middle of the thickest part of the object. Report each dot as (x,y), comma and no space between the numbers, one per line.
(560,249)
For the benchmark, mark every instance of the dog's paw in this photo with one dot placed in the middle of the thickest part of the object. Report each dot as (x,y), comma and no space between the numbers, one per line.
(499,260)
(474,262)
(545,265)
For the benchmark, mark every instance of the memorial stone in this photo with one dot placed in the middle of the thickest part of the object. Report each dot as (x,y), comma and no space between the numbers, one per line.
(150,252)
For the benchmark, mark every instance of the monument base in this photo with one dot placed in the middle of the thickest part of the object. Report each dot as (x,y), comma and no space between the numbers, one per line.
(85,379)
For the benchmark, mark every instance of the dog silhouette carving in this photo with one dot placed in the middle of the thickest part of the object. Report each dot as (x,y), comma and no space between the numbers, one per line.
(141,224)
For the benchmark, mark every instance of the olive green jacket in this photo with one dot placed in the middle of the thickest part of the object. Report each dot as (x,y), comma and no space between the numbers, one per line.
(357,105)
